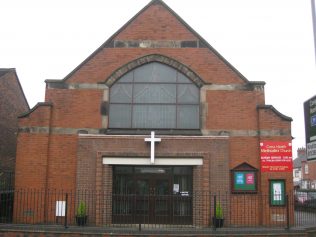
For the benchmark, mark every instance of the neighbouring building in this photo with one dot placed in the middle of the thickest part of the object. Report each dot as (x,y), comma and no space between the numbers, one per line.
(152,126)
(300,169)
(12,104)
(304,171)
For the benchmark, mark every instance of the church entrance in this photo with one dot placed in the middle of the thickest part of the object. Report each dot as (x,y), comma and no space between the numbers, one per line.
(153,195)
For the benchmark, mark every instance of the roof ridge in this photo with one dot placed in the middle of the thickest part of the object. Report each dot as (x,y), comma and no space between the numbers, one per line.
(8,69)
(4,71)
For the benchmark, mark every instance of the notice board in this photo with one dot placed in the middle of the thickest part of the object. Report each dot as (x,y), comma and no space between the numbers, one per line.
(277,192)
(244,181)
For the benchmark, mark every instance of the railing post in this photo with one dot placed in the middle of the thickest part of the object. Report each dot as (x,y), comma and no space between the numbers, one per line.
(139,223)
(214,214)
(287,211)
(66,211)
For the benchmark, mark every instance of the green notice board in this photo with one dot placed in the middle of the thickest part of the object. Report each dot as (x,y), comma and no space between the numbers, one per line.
(277,192)
(244,181)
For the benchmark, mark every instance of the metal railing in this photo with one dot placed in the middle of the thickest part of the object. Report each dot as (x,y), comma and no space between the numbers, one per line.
(154,211)
(6,180)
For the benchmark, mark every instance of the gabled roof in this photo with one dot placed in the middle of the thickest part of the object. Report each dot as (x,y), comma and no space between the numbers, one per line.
(154,2)
(4,71)
(244,166)
(297,163)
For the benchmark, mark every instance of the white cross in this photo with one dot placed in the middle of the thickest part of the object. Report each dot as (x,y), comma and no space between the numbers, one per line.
(152,141)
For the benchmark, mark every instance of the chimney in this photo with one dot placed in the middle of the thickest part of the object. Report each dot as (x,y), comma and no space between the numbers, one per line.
(301,153)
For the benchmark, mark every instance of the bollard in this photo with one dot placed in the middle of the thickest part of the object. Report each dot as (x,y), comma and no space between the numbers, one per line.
(66,212)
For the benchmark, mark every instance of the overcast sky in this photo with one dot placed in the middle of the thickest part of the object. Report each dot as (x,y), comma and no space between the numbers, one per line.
(266,40)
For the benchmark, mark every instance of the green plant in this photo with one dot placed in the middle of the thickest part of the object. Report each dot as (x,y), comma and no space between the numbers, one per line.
(81,210)
(219,211)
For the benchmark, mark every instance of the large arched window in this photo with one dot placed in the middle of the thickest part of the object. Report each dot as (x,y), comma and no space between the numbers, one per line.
(154,96)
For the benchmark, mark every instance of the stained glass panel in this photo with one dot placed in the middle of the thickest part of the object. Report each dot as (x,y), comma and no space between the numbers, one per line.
(188,94)
(128,77)
(154,116)
(155,93)
(120,116)
(154,96)
(121,93)
(188,117)
(155,72)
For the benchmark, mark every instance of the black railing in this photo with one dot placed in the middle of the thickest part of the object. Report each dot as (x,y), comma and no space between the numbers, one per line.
(6,180)
(155,211)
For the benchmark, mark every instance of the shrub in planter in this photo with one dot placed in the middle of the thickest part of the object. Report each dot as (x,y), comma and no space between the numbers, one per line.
(218,219)
(81,216)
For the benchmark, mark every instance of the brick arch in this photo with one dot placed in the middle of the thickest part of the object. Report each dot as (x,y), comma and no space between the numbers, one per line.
(154,58)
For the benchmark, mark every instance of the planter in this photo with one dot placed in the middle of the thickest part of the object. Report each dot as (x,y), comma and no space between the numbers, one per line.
(218,223)
(81,220)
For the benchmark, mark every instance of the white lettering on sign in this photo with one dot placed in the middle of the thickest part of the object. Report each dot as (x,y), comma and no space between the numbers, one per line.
(311,150)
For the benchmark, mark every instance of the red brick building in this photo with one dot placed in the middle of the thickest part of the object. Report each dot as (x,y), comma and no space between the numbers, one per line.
(12,104)
(154,74)
(304,175)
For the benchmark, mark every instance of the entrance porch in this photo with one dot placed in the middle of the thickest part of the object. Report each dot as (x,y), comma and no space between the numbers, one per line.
(172,188)
(152,195)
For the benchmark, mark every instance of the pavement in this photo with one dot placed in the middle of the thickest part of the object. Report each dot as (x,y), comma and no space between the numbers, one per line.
(145,230)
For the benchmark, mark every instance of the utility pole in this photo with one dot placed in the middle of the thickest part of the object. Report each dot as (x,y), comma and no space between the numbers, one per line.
(314,24)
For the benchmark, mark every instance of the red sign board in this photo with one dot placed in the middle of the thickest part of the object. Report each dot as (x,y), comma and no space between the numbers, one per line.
(276,156)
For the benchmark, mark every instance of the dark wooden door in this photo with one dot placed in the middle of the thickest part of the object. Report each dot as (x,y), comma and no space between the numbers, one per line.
(153,199)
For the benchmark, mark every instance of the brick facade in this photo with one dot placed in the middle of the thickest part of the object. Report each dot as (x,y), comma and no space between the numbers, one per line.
(233,119)
(211,176)
(12,104)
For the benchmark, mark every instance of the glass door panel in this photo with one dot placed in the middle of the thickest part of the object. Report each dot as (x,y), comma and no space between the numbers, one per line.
(162,187)
(142,188)
(152,194)
(161,200)
(123,200)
